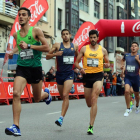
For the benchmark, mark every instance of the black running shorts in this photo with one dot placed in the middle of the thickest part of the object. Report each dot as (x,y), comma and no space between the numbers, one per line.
(90,78)
(33,75)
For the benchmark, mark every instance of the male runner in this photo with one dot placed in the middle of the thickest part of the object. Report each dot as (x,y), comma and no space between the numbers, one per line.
(30,44)
(92,71)
(64,53)
(131,72)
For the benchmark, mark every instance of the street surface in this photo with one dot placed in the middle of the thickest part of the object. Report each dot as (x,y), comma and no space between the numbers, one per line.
(37,121)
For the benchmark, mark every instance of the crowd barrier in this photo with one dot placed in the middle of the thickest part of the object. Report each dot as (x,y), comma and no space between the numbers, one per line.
(6,91)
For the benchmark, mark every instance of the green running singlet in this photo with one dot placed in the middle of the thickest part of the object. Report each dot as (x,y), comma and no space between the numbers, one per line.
(28,57)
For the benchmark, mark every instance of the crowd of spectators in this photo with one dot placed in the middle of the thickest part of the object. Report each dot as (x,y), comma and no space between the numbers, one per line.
(113,84)
(10,5)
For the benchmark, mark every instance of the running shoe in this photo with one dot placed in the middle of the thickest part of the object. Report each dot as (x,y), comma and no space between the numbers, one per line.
(13,130)
(127,112)
(90,130)
(49,99)
(59,121)
(137,110)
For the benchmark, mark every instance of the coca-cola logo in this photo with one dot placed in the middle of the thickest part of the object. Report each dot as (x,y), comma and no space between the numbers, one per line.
(80,88)
(136,27)
(36,10)
(53,89)
(10,90)
(83,37)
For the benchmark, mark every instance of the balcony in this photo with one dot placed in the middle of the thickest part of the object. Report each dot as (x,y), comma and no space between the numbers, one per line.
(7,13)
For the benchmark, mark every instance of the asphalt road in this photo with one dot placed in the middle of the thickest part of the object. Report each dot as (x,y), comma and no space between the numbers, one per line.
(37,121)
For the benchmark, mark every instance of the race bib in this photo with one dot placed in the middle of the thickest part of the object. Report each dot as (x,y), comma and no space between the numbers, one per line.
(26,54)
(68,59)
(130,68)
(91,62)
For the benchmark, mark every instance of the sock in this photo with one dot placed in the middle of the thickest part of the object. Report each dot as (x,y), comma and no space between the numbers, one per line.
(128,108)
(137,106)
(62,117)
(17,126)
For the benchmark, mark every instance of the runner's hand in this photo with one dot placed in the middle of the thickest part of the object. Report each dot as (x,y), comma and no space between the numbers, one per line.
(137,57)
(82,71)
(122,67)
(59,53)
(23,45)
(11,55)
(107,65)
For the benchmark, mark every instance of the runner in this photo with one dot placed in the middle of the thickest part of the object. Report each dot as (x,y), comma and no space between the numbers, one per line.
(29,67)
(64,53)
(131,72)
(92,71)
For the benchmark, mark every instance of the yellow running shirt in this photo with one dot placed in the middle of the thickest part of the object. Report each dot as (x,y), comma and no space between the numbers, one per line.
(93,60)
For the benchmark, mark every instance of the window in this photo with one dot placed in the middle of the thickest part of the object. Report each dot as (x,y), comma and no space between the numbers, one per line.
(81,22)
(75,2)
(44,17)
(96,9)
(84,5)
(110,15)
(59,19)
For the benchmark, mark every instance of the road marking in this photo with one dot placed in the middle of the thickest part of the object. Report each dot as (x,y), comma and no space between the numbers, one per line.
(1,122)
(53,113)
(115,102)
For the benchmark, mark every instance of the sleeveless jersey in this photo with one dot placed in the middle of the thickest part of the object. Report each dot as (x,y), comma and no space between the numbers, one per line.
(132,66)
(28,57)
(66,61)
(93,60)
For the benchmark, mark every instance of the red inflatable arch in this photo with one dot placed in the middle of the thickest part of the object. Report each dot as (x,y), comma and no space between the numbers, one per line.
(107,28)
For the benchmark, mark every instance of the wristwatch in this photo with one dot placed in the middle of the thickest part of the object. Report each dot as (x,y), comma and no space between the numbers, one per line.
(29,46)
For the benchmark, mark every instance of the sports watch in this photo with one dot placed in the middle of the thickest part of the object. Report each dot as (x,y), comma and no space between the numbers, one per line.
(29,46)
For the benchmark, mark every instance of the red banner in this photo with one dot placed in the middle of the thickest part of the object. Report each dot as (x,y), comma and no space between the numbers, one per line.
(37,8)
(82,37)
(9,90)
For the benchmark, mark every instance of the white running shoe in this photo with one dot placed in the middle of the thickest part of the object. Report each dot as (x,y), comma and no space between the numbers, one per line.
(137,110)
(126,114)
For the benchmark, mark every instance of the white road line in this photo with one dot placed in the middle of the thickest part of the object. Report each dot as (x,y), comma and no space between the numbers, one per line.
(115,102)
(53,113)
(1,122)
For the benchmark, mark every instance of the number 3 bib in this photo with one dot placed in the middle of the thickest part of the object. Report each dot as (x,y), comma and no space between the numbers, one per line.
(26,54)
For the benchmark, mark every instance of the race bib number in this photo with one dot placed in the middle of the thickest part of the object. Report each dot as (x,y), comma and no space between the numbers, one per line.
(68,59)
(92,62)
(26,54)
(130,68)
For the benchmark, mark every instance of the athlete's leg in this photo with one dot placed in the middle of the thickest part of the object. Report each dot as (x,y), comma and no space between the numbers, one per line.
(127,95)
(66,90)
(97,86)
(38,93)
(19,85)
(137,98)
(60,89)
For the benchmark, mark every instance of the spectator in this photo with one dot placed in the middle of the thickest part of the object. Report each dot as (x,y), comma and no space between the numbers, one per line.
(50,76)
(76,73)
(15,3)
(108,87)
(119,85)
(104,83)
(9,4)
(114,81)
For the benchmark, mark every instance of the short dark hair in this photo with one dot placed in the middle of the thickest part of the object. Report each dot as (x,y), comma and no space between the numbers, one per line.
(93,32)
(26,9)
(134,42)
(65,30)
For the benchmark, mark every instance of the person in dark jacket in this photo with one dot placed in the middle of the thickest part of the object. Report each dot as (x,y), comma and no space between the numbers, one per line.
(50,76)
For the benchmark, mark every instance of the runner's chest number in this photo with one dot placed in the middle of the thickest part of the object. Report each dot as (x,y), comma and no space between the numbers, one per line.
(130,68)
(91,62)
(26,54)
(68,59)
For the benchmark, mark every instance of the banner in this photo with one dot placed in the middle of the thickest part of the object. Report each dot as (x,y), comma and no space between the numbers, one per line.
(82,37)
(38,9)
(9,90)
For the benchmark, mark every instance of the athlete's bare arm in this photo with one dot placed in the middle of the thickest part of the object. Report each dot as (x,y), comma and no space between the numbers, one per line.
(106,64)
(55,49)
(137,58)
(76,49)
(39,36)
(78,59)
